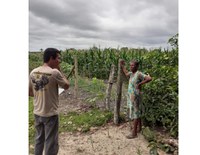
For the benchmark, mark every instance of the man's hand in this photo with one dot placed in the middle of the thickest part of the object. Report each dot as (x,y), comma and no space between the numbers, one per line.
(58,67)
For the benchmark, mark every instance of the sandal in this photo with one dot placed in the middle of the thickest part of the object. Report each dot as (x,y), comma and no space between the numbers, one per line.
(131,136)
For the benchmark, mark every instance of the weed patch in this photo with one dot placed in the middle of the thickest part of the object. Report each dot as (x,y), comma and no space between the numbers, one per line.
(82,122)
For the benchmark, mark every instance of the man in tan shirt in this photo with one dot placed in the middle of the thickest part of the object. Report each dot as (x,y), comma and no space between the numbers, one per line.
(43,86)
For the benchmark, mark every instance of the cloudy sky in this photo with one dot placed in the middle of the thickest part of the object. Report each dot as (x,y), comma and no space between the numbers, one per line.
(106,23)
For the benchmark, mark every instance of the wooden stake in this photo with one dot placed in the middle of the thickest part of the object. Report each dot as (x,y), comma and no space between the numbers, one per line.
(109,87)
(119,94)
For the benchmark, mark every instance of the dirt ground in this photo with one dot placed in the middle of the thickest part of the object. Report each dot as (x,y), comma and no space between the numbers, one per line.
(106,140)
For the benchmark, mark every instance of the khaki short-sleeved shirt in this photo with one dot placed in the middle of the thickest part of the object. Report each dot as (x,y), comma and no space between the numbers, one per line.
(45,81)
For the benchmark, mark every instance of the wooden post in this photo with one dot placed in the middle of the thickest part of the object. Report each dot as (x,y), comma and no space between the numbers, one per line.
(109,87)
(119,94)
(76,77)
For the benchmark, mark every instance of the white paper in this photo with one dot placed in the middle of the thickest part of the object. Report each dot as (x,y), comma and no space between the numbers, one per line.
(60,90)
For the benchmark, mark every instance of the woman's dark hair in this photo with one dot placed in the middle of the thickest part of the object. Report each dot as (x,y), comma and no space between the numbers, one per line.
(50,52)
(135,61)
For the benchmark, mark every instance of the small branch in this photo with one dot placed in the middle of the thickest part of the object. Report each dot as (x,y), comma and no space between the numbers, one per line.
(72,70)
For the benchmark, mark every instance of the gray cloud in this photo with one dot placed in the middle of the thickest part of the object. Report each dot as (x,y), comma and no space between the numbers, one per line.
(84,23)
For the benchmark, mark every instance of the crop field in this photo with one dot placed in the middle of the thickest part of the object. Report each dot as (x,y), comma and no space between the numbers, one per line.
(161,95)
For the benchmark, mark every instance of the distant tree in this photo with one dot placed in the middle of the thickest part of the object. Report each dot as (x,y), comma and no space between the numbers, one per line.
(174,41)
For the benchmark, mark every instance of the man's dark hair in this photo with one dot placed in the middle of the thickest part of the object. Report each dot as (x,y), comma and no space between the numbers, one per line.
(50,52)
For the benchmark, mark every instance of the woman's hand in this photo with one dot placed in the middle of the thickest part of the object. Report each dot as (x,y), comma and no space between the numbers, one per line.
(138,86)
(122,63)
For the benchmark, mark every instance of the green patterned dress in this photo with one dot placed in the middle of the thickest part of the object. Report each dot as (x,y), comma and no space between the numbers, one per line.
(134,95)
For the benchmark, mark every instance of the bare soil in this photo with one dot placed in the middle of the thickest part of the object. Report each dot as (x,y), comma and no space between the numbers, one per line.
(106,140)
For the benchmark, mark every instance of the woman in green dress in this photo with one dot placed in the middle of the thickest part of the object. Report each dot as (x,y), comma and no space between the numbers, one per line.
(136,80)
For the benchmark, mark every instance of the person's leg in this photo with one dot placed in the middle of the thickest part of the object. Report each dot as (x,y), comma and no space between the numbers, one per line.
(135,126)
(139,125)
(51,136)
(129,118)
(134,130)
(39,136)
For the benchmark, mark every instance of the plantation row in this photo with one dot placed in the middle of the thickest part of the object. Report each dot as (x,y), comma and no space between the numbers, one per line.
(96,63)
(160,96)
